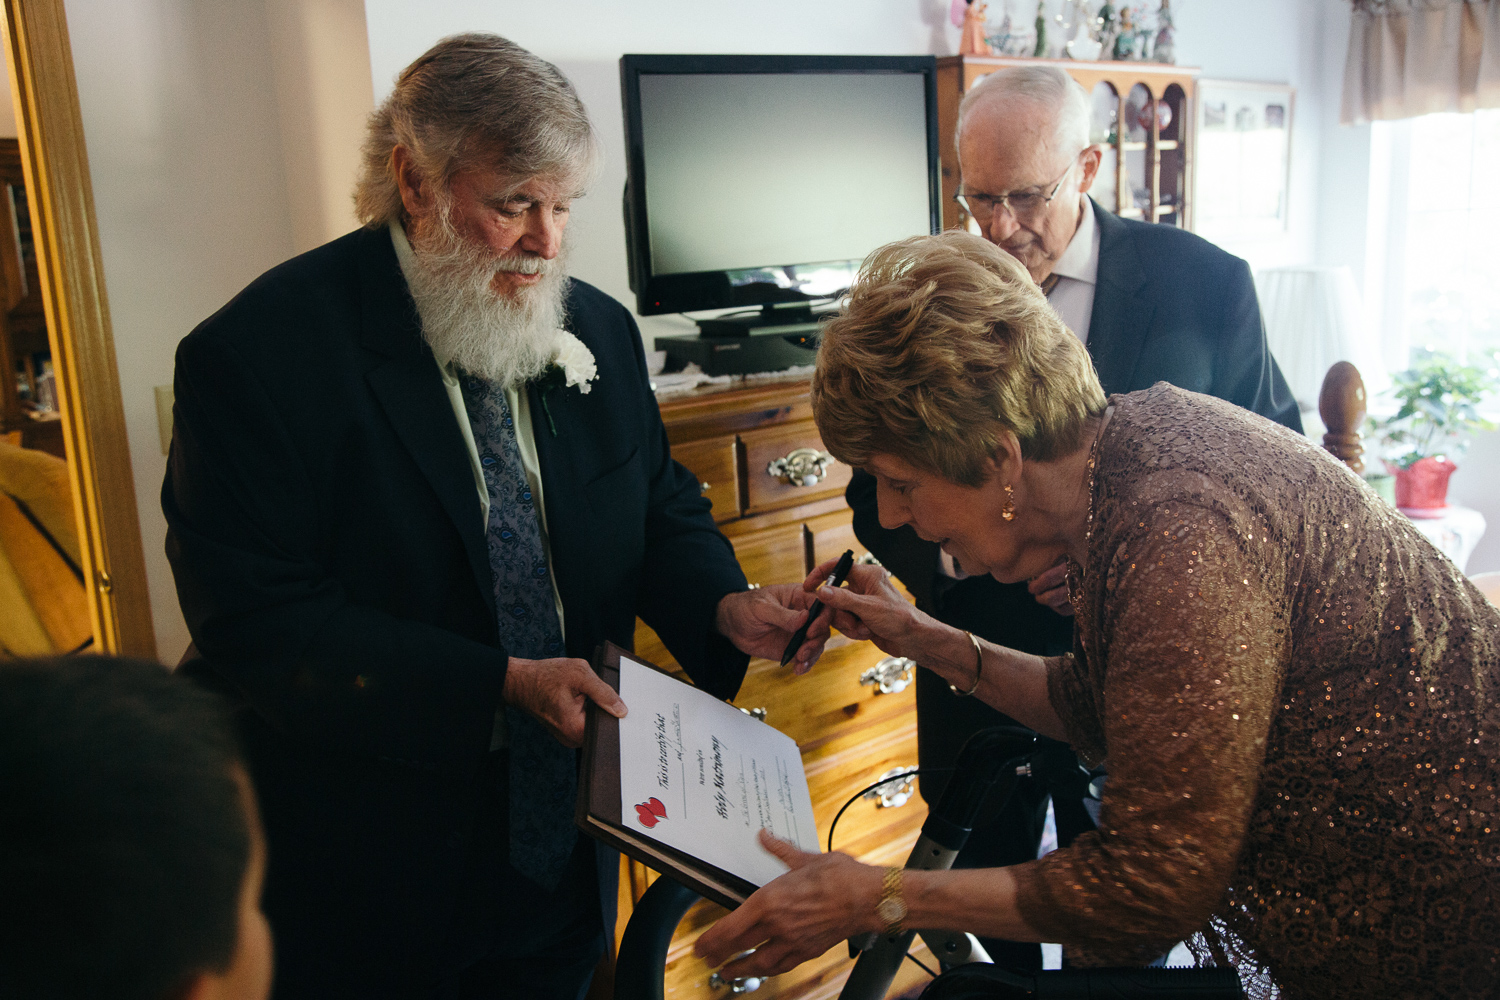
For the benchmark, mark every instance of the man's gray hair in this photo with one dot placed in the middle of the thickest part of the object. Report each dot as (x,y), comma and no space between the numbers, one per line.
(1049,88)
(475,99)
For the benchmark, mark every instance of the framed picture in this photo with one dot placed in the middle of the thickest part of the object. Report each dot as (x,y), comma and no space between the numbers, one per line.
(1243,159)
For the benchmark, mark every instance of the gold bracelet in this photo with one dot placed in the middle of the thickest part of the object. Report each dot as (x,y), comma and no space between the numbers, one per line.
(978,668)
(892,906)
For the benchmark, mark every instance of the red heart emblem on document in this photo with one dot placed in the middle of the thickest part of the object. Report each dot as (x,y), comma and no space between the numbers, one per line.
(651,812)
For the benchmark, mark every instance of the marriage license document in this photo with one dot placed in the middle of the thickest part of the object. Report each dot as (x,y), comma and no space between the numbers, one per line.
(701,777)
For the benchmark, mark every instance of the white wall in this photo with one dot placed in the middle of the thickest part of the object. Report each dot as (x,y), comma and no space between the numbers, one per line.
(587,41)
(1274,41)
(222,137)
(321,63)
(193,188)
(1344,169)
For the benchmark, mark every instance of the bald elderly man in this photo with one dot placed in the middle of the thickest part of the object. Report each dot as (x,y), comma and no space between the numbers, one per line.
(1152,303)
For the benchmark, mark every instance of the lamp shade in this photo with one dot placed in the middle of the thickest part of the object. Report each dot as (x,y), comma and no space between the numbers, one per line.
(1313,318)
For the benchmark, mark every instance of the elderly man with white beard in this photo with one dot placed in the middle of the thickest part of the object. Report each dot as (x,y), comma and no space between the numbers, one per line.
(417,476)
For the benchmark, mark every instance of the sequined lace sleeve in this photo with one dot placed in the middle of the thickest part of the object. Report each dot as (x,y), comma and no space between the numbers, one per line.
(1175,678)
(1072,698)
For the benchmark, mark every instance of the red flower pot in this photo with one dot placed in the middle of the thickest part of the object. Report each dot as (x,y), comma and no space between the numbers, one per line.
(1424,486)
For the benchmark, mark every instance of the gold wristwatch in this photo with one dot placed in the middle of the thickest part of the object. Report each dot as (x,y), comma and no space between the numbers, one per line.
(892,906)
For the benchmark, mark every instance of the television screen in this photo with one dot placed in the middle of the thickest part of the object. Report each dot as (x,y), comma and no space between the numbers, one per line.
(755,180)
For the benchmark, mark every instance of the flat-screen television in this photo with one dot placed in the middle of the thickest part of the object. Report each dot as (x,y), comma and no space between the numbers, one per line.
(765,180)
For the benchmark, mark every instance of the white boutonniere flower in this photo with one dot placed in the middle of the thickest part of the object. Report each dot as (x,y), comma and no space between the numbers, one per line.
(576,361)
(572,365)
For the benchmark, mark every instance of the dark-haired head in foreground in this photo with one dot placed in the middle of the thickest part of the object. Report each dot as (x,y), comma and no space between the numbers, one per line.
(131,856)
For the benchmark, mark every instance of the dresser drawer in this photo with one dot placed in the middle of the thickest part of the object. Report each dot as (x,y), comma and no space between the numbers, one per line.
(848,763)
(874,836)
(831,535)
(767,555)
(827,700)
(773,555)
(715,462)
(765,490)
(848,734)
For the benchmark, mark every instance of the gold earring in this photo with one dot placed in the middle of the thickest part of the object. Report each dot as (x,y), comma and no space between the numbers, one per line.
(1009,510)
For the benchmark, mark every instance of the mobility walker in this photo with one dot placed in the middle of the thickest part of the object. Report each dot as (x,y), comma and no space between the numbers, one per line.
(993,759)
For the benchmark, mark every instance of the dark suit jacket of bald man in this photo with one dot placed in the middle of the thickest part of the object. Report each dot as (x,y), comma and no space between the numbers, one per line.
(1168,307)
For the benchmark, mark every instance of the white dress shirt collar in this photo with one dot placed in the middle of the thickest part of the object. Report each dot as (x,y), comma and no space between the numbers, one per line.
(1080,261)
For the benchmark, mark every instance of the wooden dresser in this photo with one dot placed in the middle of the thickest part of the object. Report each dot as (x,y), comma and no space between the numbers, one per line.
(850,733)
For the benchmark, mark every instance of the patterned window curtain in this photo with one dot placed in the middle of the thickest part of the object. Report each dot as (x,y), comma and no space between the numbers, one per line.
(1416,57)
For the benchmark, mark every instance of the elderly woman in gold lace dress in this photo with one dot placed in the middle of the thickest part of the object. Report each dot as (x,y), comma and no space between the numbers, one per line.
(1294,691)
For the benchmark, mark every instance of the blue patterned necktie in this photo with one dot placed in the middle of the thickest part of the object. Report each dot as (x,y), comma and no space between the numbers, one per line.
(543,772)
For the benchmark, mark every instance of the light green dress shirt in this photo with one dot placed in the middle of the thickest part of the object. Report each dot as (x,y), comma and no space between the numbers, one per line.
(520,407)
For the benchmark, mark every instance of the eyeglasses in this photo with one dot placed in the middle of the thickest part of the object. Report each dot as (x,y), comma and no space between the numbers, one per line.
(1024,206)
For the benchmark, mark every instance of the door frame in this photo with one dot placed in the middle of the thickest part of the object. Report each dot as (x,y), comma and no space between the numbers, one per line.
(60,197)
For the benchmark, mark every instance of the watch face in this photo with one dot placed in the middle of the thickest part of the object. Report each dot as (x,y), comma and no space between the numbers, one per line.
(891,910)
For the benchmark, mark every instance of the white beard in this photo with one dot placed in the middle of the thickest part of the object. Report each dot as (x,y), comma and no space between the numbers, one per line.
(472,327)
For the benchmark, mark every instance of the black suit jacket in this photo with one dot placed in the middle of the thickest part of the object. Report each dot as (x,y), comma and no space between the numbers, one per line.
(1168,307)
(327,540)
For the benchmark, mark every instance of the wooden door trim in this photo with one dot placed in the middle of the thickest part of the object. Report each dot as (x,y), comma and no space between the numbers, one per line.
(61,200)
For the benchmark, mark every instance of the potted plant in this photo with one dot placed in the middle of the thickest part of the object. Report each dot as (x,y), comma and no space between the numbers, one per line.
(1437,402)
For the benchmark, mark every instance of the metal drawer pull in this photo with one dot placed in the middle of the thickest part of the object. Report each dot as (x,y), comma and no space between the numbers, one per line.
(895,788)
(749,984)
(755,713)
(704,487)
(890,675)
(803,467)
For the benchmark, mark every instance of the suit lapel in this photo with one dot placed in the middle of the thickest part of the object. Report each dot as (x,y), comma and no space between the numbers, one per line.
(1122,312)
(570,534)
(405,380)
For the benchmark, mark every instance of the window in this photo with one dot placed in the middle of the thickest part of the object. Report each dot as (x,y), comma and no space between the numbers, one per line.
(1442,234)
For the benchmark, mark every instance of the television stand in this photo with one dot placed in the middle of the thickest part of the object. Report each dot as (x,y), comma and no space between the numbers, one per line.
(768,341)
(770,316)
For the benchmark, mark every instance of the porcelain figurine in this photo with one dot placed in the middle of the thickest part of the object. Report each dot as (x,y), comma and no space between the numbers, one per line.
(1125,40)
(973,42)
(1165,50)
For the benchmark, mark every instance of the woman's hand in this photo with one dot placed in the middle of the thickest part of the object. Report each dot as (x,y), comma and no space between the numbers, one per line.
(824,899)
(869,607)
(1051,589)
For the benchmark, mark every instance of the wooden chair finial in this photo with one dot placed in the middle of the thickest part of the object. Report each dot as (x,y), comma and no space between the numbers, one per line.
(1341,404)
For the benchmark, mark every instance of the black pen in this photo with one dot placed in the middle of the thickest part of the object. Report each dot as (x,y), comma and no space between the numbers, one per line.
(840,573)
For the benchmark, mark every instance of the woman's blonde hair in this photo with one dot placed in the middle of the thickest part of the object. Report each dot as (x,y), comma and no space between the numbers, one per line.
(945,344)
